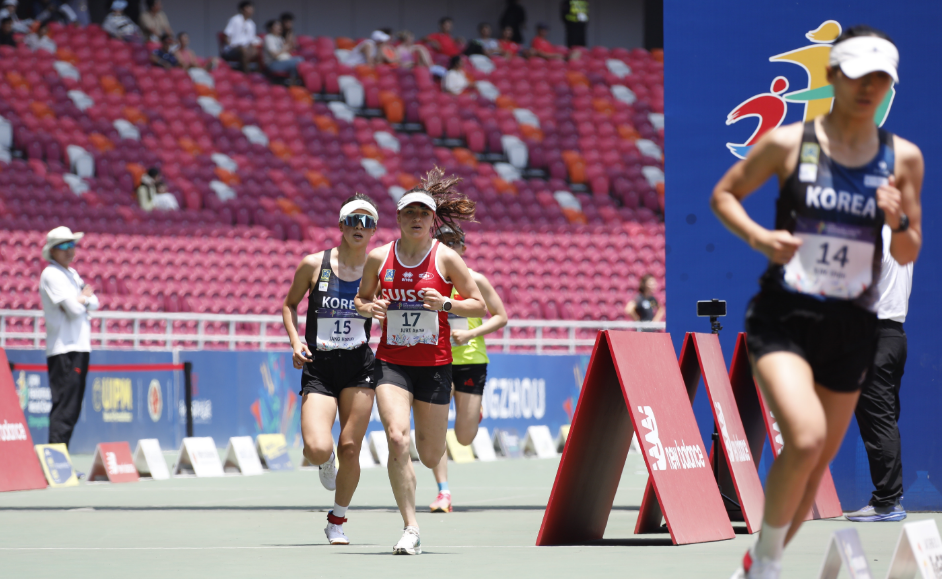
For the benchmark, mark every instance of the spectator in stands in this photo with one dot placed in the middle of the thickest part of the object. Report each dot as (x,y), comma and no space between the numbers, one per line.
(54,11)
(455,80)
(287,31)
(188,59)
(484,44)
(163,55)
(442,41)
(541,47)
(241,40)
(369,50)
(152,193)
(575,14)
(66,301)
(40,40)
(6,32)
(410,54)
(644,307)
(508,47)
(515,17)
(118,25)
(154,21)
(276,56)
(9,11)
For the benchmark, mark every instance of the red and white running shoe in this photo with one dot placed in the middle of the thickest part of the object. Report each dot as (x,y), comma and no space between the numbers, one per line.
(755,568)
(334,530)
(442,503)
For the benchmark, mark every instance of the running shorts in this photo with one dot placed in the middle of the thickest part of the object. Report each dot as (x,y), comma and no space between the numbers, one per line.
(333,370)
(430,384)
(469,378)
(837,338)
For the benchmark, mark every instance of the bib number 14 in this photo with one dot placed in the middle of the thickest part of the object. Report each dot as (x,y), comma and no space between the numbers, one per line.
(839,256)
(834,260)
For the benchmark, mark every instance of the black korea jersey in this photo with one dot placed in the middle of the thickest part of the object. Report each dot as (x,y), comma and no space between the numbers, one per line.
(332,320)
(833,209)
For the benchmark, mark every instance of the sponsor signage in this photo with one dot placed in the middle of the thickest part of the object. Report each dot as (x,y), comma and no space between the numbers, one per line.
(918,552)
(274,451)
(198,456)
(19,467)
(57,465)
(241,457)
(844,549)
(113,463)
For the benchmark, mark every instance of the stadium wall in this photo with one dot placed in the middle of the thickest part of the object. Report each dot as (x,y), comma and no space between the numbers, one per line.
(250,393)
(611,22)
(718,56)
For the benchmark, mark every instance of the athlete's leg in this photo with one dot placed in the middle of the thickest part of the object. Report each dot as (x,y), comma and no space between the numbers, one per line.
(394,404)
(467,419)
(317,418)
(431,424)
(355,407)
(838,408)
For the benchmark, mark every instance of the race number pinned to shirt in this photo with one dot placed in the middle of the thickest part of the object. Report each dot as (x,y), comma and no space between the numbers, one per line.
(339,330)
(834,260)
(457,323)
(409,324)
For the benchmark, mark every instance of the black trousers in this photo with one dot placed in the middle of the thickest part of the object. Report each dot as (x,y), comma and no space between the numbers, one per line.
(67,374)
(575,34)
(878,414)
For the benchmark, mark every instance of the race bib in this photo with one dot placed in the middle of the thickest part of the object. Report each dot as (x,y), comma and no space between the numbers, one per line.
(457,323)
(834,260)
(409,324)
(339,330)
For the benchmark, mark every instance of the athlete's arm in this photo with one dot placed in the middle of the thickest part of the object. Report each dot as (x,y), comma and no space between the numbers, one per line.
(366,301)
(632,309)
(455,270)
(494,305)
(767,158)
(659,314)
(902,195)
(289,309)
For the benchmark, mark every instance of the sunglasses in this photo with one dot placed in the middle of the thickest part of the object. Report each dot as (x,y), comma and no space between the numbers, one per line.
(455,243)
(66,246)
(355,219)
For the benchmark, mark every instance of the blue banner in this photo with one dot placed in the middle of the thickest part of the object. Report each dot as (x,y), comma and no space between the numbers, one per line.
(734,70)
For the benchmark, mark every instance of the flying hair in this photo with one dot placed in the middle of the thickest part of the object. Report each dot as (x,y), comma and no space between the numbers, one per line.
(452,206)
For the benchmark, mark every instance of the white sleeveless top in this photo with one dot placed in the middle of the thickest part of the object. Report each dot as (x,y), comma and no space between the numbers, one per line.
(896,282)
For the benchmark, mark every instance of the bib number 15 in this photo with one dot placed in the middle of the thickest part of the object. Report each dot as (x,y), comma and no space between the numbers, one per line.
(342,327)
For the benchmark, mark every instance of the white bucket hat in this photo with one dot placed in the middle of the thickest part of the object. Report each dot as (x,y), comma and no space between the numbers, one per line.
(59,235)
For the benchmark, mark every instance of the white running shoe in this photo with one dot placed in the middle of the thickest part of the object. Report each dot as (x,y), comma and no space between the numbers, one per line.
(328,473)
(409,544)
(756,568)
(334,530)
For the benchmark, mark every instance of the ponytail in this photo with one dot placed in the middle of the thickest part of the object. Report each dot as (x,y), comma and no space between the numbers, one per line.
(451,206)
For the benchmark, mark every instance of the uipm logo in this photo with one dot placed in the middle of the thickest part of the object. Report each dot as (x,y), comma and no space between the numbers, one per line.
(656,452)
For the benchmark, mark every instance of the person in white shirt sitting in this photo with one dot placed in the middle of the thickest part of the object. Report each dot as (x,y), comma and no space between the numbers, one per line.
(9,11)
(455,80)
(241,40)
(66,301)
(40,40)
(118,25)
(277,57)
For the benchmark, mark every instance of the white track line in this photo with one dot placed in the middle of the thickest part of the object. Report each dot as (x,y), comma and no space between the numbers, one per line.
(231,548)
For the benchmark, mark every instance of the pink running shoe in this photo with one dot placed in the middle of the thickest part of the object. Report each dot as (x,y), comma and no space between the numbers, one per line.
(442,503)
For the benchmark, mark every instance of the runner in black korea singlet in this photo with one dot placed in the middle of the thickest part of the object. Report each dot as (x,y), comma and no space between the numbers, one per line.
(335,357)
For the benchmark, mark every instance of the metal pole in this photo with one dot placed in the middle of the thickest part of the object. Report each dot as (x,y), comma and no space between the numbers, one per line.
(188,396)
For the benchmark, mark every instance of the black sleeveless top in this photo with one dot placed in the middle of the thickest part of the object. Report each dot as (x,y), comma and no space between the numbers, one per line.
(833,209)
(332,320)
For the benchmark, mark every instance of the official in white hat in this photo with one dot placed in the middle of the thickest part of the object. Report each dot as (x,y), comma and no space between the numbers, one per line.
(67,301)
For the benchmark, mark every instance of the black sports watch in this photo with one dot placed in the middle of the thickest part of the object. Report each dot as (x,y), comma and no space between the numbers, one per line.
(903,224)
(446,307)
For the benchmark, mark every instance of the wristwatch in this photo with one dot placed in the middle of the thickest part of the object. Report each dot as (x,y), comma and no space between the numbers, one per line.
(903,223)
(446,307)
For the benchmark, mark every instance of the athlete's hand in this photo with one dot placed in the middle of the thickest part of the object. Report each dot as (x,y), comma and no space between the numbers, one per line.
(300,354)
(779,246)
(433,300)
(890,200)
(461,337)
(379,309)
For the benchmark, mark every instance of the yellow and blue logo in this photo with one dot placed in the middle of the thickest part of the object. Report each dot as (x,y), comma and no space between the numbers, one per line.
(390,275)
(771,107)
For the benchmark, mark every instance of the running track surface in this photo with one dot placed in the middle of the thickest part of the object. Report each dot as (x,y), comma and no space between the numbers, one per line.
(272,526)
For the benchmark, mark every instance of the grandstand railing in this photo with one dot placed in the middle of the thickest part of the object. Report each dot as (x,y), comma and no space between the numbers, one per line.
(169,338)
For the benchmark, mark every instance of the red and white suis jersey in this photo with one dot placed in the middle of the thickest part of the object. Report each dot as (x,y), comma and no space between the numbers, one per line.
(413,335)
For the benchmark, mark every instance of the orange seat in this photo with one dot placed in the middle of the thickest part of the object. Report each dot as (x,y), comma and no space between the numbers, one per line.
(505,102)
(137,171)
(316,179)
(110,85)
(658,54)
(603,105)
(660,189)
(577,172)
(41,110)
(371,151)
(280,149)
(300,94)
(16,80)
(100,142)
(325,124)
(407,181)
(365,71)
(203,90)
(574,216)
(287,206)
(465,157)
(531,132)
(135,116)
(67,55)
(230,120)
(394,109)
(574,78)
(503,187)
(570,157)
(386,96)
(227,177)
(189,145)
(345,43)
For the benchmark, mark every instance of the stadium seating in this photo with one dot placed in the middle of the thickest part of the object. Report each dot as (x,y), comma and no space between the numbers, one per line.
(564,159)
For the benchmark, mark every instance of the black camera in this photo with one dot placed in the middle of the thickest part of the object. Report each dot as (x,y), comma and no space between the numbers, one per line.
(711,308)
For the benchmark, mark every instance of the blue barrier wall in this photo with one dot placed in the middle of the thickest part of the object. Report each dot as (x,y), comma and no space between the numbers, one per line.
(718,55)
(250,393)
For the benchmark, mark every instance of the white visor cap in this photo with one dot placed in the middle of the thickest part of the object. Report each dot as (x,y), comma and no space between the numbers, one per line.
(349,208)
(416,197)
(865,54)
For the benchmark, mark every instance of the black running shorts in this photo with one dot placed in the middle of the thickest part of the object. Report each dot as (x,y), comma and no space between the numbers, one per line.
(333,370)
(430,384)
(837,338)
(469,378)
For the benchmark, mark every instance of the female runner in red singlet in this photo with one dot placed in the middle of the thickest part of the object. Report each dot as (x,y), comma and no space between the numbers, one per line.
(406,285)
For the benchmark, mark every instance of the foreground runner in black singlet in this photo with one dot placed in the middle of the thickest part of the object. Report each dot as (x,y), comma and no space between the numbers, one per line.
(812,327)
(335,356)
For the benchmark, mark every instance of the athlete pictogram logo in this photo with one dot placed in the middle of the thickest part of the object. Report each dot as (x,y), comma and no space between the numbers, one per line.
(771,108)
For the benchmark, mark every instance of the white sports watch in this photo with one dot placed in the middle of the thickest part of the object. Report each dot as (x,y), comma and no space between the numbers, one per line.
(446,307)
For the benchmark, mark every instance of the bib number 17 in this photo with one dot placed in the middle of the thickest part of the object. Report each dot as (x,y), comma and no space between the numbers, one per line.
(414,319)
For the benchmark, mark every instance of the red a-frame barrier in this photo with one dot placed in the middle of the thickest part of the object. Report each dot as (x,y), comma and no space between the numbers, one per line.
(19,465)
(633,382)
(759,422)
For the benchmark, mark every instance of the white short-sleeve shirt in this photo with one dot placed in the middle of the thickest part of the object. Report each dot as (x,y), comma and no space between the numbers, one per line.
(64,332)
(895,285)
(240,31)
